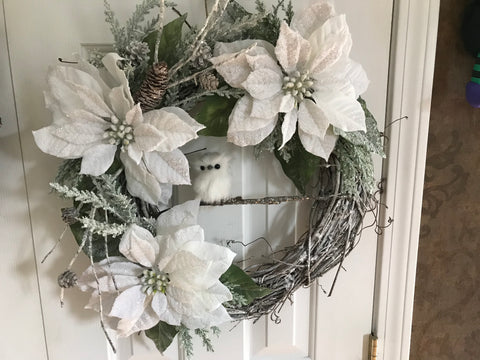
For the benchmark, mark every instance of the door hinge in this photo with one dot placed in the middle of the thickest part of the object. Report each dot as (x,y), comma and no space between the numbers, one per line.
(372,351)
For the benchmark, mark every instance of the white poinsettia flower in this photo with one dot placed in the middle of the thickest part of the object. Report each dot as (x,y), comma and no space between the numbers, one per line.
(308,76)
(94,115)
(172,277)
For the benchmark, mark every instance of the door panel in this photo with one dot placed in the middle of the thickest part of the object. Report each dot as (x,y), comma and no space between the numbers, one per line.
(315,326)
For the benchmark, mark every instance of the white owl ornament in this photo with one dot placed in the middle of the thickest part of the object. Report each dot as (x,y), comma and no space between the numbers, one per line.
(211,180)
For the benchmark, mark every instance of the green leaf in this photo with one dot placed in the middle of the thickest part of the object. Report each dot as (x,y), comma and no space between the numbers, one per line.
(98,243)
(214,113)
(301,165)
(162,335)
(243,284)
(171,37)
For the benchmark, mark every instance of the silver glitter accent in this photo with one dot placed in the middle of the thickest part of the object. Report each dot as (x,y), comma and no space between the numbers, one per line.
(299,85)
(153,281)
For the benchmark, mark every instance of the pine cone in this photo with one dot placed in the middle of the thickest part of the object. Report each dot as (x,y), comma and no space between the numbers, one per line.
(208,81)
(203,56)
(67,279)
(154,87)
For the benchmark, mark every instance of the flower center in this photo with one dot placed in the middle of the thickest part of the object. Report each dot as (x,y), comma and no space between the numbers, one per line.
(153,281)
(298,85)
(119,133)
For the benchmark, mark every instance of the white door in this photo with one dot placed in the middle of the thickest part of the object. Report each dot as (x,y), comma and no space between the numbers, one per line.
(35,33)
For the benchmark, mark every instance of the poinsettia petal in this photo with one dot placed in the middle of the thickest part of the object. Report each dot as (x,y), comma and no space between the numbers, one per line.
(159,303)
(49,143)
(344,112)
(134,115)
(97,159)
(289,126)
(311,18)
(174,129)
(329,43)
(145,321)
(251,137)
(185,117)
(129,304)
(140,182)
(148,137)
(139,245)
(135,153)
(172,243)
(318,146)
(312,119)
(235,67)
(357,77)
(168,167)
(262,59)
(292,49)
(119,102)
(170,316)
(241,120)
(271,107)
(208,319)
(179,216)
(219,257)
(73,96)
(263,83)
(116,76)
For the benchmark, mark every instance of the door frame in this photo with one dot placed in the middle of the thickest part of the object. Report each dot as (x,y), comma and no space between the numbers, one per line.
(409,94)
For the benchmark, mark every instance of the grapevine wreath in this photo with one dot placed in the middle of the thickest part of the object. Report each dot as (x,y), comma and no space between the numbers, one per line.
(274,80)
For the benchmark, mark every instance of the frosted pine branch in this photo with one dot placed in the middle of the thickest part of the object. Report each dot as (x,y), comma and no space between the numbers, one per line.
(86,197)
(101,228)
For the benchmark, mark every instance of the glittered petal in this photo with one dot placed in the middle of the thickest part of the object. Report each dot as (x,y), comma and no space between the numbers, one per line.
(312,119)
(358,77)
(292,49)
(344,112)
(235,67)
(329,43)
(129,304)
(140,182)
(139,245)
(117,75)
(241,119)
(119,102)
(311,18)
(315,145)
(289,126)
(179,216)
(71,96)
(175,130)
(185,117)
(148,137)
(170,316)
(251,137)
(159,303)
(97,159)
(168,167)
(83,129)
(145,321)
(171,244)
(53,145)
(135,153)
(263,83)
(219,257)
(207,319)
(134,116)
(263,60)
(271,107)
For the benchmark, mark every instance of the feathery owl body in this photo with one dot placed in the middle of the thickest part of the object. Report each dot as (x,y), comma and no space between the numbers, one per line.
(211,181)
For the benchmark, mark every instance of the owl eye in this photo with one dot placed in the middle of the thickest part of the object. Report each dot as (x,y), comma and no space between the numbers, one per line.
(217,166)
(202,168)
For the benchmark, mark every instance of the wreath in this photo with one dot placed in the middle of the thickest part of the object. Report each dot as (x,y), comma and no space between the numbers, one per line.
(278,81)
